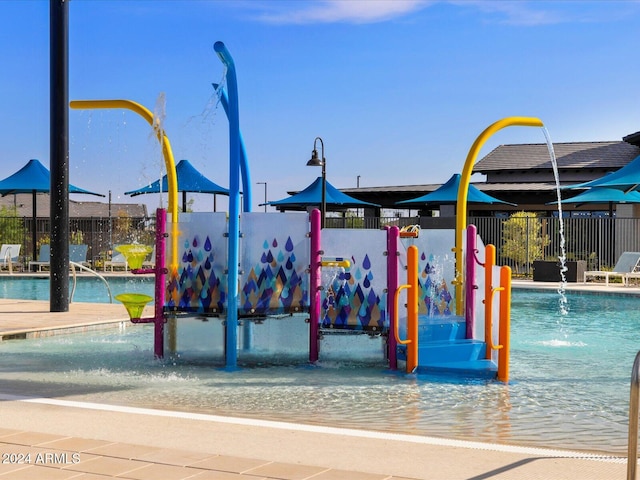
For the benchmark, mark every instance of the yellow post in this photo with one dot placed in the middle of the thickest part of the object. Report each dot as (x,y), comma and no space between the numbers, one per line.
(172,179)
(463,190)
(505,323)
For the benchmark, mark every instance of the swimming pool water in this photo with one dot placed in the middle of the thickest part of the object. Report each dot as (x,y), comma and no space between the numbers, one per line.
(569,384)
(88,288)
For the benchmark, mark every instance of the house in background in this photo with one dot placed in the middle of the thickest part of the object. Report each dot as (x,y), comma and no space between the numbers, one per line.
(523,174)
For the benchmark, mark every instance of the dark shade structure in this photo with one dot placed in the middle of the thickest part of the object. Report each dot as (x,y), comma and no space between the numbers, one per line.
(34,178)
(447,194)
(189,180)
(312,196)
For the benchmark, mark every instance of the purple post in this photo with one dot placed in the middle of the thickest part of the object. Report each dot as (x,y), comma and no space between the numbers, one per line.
(314,286)
(160,280)
(470,281)
(393,234)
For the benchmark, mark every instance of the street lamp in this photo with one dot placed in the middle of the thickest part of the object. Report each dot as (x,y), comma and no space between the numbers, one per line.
(265,193)
(320,162)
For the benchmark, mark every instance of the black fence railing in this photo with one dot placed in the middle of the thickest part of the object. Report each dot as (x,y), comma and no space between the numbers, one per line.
(519,241)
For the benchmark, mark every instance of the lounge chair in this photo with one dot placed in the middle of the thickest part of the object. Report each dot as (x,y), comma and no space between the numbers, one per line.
(78,254)
(628,264)
(117,260)
(44,257)
(10,256)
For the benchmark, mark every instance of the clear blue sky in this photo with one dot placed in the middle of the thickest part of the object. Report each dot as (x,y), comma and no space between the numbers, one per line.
(398,90)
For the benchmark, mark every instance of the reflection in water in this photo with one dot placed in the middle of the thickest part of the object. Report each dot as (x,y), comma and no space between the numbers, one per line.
(569,389)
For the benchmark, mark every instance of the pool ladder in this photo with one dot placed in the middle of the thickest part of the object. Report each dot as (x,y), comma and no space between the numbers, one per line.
(75,265)
(632,455)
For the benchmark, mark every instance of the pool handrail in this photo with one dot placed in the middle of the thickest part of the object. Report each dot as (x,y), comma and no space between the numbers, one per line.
(632,453)
(87,269)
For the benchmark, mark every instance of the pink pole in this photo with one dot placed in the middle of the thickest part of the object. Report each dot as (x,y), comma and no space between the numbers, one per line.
(393,234)
(470,281)
(160,281)
(314,287)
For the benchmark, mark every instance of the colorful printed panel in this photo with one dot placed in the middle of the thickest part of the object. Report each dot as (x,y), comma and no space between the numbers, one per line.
(200,284)
(355,298)
(436,270)
(274,259)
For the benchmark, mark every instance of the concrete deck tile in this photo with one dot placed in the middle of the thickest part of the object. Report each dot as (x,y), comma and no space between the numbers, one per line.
(231,464)
(92,476)
(31,438)
(33,472)
(155,471)
(286,471)
(105,466)
(4,432)
(10,467)
(123,450)
(72,444)
(335,474)
(215,475)
(175,457)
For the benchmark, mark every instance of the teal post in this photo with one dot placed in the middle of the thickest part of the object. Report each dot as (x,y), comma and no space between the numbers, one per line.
(231,329)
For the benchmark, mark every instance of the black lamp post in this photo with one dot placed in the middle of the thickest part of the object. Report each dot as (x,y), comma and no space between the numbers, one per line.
(265,193)
(320,162)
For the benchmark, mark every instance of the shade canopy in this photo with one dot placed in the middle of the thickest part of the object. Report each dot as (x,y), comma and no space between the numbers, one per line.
(447,194)
(34,178)
(189,180)
(602,195)
(626,178)
(312,196)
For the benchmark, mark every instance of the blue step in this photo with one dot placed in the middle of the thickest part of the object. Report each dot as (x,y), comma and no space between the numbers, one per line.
(456,356)
(443,349)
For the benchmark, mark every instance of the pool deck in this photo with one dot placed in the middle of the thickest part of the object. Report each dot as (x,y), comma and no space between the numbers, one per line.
(66,439)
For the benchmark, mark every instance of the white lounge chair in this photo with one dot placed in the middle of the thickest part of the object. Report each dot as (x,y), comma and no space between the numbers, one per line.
(10,256)
(628,264)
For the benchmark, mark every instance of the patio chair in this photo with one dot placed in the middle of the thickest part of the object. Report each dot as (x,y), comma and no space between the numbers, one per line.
(117,260)
(78,254)
(44,258)
(628,264)
(10,256)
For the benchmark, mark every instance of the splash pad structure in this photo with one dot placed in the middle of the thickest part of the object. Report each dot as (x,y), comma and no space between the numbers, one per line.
(249,268)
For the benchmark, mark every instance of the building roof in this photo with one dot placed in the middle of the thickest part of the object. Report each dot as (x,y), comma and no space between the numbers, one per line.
(24,205)
(606,156)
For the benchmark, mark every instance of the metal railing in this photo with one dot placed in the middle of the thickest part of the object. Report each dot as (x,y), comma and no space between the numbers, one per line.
(599,241)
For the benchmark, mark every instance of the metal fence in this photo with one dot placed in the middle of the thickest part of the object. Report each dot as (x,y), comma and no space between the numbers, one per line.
(519,241)
(98,233)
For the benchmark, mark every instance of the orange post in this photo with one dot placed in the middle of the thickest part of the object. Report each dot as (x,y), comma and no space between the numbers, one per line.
(505,323)
(412,310)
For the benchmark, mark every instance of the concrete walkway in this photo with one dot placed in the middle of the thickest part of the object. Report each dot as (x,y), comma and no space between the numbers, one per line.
(50,438)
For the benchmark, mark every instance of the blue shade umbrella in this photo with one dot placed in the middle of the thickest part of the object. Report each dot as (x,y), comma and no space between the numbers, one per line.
(312,196)
(34,178)
(189,180)
(626,178)
(602,195)
(447,194)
